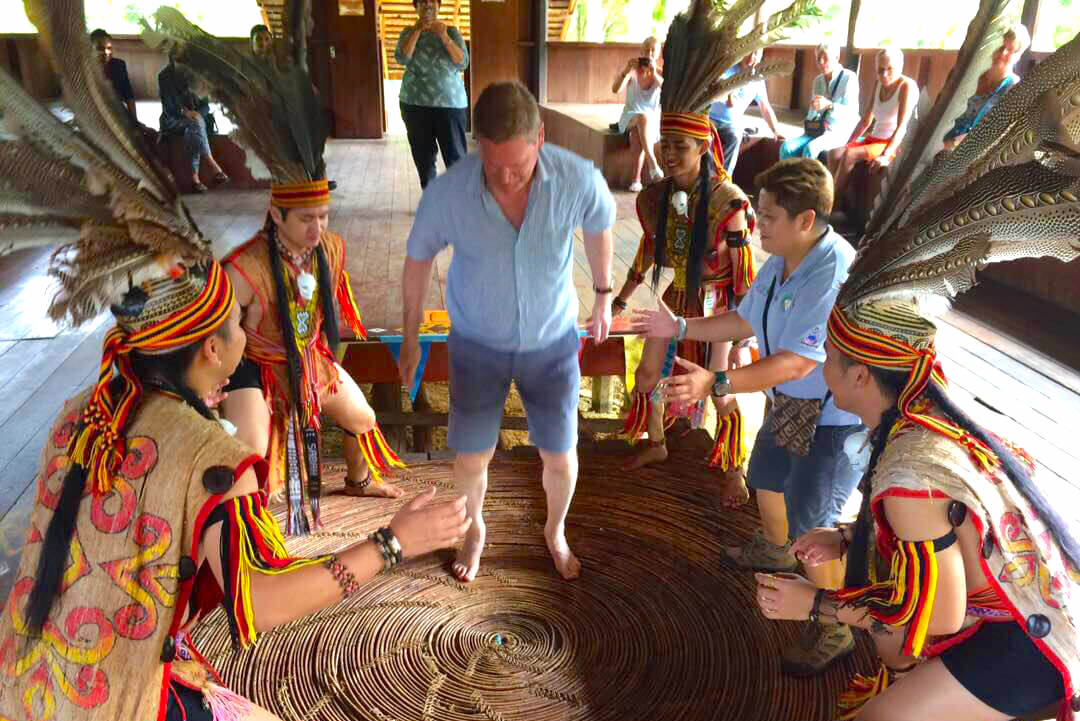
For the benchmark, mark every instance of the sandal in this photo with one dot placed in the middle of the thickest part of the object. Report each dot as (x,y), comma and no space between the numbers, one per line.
(199,188)
(221,179)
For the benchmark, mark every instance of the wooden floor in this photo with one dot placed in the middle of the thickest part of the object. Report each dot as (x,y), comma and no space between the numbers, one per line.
(1019,391)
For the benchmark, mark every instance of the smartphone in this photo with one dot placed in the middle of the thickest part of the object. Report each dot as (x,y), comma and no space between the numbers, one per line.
(644,62)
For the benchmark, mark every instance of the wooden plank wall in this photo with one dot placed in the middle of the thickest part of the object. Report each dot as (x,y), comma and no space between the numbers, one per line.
(502,44)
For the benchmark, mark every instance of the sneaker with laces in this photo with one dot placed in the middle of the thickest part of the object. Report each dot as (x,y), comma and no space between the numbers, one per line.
(820,646)
(760,555)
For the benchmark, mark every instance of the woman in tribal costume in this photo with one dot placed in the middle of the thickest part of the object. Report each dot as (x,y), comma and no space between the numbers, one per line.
(707,244)
(148,513)
(960,564)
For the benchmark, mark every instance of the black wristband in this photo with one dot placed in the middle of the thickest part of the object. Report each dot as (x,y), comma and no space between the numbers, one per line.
(815,611)
(603,291)
(619,303)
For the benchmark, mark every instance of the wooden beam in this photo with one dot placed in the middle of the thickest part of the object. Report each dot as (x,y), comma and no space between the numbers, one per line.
(570,8)
(542,52)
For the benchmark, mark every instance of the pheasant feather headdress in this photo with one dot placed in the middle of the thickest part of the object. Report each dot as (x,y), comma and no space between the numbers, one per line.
(702,43)
(138,251)
(271,102)
(1010,190)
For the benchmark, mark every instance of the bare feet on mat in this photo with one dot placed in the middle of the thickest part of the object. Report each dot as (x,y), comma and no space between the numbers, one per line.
(733,491)
(566,563)
(646,455)
(373,489)
(467,562)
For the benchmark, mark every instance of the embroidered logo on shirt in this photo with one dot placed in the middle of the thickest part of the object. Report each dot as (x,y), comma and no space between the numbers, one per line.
(813,338)
(787,303)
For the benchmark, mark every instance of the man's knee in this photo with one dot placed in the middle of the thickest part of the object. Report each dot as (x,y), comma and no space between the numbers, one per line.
(473,464)
(560,464)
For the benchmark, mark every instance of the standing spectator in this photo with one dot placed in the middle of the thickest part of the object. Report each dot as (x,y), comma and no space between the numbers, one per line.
(183,112)
(834,108)
(261,41)
(894,101)
(993,83)
(727,115)
(641,113)
(433,101)
(115,71)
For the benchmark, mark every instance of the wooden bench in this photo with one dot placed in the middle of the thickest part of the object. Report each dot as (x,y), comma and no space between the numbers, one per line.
(585,128)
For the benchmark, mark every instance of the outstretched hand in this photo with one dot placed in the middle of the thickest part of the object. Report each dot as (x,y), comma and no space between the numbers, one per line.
(421,528)
(689,387)
(659,323)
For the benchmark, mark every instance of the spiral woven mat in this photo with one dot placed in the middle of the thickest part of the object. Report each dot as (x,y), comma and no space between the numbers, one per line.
(656,628)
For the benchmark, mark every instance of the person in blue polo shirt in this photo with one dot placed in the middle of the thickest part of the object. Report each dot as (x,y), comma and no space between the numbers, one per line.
(805,463)
(510,211)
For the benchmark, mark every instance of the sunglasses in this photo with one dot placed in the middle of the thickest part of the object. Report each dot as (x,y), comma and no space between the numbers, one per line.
(882,71)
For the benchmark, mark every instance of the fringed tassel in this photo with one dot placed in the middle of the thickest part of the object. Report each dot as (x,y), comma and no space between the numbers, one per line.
(729,451)
(743,271)
(226,705)
(637,420)
(251,542)
(377,452)
(349,311)
(906,598)
(296,521)
(861,690)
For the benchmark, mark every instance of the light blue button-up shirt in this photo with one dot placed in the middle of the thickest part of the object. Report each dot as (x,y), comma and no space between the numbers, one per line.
(507,289)
(799,313)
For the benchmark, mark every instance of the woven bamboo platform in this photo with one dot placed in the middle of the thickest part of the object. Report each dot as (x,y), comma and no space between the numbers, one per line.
(657,627)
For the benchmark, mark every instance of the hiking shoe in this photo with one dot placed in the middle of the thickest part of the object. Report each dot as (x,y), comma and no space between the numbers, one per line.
(760,555)
(821,645)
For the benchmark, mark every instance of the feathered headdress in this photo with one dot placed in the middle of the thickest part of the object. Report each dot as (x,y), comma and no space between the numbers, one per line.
(1010,190)
(271,102)
(138,250)
(702,43)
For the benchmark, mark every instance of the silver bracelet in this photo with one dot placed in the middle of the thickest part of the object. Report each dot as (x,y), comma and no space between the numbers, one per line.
(681,323)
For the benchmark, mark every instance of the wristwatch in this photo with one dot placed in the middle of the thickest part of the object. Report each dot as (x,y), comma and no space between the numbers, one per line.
(721,385)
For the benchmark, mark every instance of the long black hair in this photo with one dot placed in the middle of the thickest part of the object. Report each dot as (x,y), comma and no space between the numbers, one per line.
(281,293)
(165,371)
(699,237)
(892,382)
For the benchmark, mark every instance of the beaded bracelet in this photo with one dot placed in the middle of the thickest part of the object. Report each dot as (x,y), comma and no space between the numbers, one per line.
(388,546)
(344,577)
(619,303)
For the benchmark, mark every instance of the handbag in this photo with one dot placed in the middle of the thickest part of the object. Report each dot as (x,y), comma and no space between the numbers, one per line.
(793,421)
(816,127)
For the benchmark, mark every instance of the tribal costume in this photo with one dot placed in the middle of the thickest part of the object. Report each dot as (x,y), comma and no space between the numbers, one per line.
(278,115)
(1011,190)
(706,243)
(135,469)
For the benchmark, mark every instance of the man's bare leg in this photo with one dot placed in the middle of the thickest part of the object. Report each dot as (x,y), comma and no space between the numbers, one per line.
(470,477)
(646,377)
(560,478)
(733,491)
(350,410)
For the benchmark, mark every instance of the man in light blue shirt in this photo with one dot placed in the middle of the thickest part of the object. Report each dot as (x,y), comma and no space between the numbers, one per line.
(510,212)
(799,488)
(727,114)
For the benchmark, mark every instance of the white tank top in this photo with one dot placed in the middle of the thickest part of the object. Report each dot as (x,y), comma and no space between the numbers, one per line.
(886,113)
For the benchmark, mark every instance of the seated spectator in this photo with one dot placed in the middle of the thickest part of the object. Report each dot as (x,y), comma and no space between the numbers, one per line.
(641,114)
(834,108)
(727,115)
(115,70)
(184,113)
(893,103)
(993,83)
(261,41)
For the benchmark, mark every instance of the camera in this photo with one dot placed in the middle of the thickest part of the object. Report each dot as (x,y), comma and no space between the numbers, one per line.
(644,62)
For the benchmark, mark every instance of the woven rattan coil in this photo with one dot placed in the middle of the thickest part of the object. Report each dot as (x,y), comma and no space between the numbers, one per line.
(656,628)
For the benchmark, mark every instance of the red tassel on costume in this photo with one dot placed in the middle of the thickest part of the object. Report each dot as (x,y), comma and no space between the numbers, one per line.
(637,420)
(349,311)
(729,451)
(377,452)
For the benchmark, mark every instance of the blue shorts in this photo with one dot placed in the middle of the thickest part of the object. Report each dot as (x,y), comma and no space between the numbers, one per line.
(547,379)
(815,486)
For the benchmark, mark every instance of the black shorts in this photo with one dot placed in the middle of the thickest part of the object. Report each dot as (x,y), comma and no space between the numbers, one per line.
(186,704)
(246,375)
(1005,670)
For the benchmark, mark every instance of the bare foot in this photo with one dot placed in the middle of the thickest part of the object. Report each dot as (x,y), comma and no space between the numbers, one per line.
(375,489)
(566,563)
(648,455)
(467,562)
(733,490)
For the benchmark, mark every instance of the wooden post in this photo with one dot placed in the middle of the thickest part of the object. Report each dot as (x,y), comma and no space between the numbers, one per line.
(386,398)
(542,52)
(603,394)
(796,78)
(1029,18)
(851,62)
